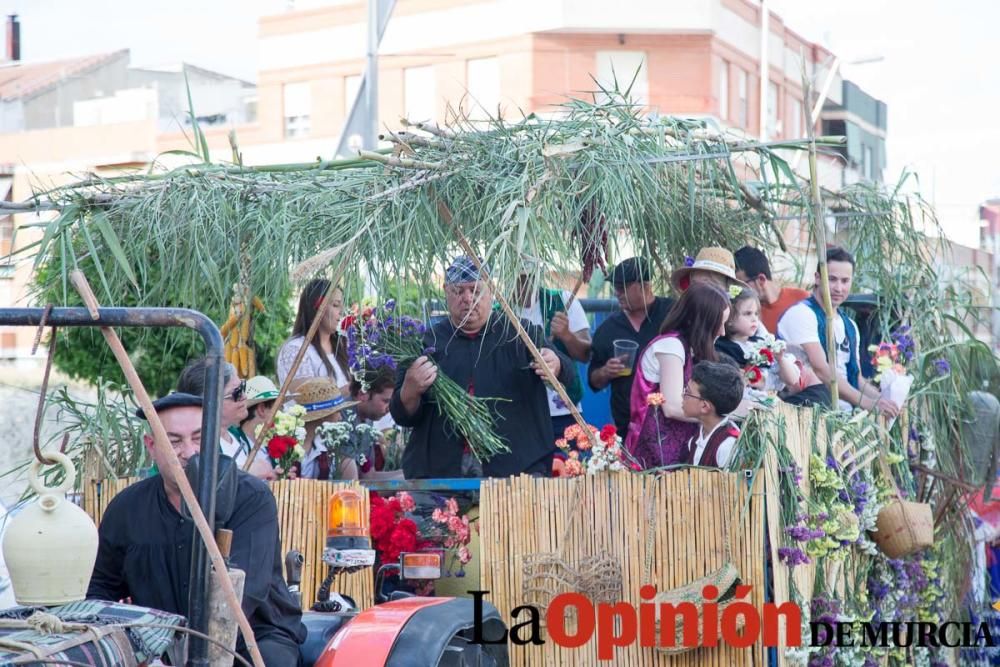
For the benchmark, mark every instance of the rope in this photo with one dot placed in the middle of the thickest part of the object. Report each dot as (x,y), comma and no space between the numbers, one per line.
(41,399)
(45,624)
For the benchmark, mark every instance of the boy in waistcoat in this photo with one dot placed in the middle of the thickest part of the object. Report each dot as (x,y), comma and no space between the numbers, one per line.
(715,390)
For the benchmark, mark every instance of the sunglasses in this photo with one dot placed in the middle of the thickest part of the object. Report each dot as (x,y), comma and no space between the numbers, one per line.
(238,393)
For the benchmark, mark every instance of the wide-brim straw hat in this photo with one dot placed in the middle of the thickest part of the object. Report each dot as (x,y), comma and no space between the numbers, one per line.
(714,260)
(321,398)
(260,389)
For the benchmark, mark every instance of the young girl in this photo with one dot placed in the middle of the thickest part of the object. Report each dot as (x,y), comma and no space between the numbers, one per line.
(658,430)
(327,355)
(741,333)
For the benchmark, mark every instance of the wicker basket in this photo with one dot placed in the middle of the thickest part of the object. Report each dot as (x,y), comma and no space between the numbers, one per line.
(904,528)
(725,579)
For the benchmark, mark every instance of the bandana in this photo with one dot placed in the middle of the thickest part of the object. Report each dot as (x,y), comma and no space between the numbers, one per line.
(463,270)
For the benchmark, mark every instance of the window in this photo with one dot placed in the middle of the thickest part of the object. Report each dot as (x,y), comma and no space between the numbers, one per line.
(298,106)
(793,112)
(622,67)
(352,84)
(723,90)
(772,110)
(867,162)
(742,101)
(419,93)
(483,82)
(6,236)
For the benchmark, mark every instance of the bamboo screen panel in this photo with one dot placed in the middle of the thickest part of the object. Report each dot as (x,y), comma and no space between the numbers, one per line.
(606,513)
(302,508)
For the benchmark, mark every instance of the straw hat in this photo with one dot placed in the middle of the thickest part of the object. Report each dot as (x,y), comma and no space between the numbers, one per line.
(260,389)
(715,260)
(321,398)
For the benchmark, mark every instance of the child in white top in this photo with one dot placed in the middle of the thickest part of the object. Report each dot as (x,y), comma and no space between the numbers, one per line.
(741,333)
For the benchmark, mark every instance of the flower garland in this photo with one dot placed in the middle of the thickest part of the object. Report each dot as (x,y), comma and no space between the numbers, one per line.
(591,456)
(284,439)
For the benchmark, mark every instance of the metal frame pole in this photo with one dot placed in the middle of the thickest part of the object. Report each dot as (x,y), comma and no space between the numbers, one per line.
(210,424)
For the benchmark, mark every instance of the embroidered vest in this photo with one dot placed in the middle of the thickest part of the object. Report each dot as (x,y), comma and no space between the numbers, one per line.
(853,367)
(709,457)
(654,439)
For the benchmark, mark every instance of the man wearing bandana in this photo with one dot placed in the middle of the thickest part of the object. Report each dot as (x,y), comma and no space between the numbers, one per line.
(479,349)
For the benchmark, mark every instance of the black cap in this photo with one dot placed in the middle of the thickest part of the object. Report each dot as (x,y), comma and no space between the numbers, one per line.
(631,270)
(175,399)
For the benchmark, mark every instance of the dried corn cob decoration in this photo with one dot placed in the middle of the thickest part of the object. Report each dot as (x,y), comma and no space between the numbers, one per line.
(237,331)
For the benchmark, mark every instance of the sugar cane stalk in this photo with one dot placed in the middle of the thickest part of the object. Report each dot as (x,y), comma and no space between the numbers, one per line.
(819,230)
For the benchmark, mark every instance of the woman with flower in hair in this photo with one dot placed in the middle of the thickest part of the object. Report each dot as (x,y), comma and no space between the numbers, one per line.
(327,353)
(658,431)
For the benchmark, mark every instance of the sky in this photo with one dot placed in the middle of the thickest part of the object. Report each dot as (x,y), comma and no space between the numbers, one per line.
(939,73)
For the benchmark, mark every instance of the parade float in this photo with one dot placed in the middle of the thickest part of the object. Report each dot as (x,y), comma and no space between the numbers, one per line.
(847,517)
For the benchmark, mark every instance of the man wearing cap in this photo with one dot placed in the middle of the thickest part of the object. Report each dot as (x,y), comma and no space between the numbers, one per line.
(639,320)
(480,350)
(146,540)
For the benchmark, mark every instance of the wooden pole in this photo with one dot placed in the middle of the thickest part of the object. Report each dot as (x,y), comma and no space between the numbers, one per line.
(819,231)
(300,355)
(172,470)
(445,214)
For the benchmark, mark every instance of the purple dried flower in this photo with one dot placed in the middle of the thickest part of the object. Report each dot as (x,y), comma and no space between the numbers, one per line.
(427,351)
(390,305)
(688,260)
(792,556)
(942,366)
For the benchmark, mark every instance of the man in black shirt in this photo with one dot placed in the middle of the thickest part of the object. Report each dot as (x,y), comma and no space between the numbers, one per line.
(145,543)
(639,320)
(480,350)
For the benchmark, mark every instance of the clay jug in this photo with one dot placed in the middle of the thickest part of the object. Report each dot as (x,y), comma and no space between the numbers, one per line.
(50,546)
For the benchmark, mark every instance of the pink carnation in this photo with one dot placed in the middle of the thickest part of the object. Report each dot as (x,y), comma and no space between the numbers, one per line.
(463,555)
(406,502)
(438,516)
(451,505)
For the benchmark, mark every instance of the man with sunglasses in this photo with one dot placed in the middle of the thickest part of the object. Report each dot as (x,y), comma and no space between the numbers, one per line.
(234,441)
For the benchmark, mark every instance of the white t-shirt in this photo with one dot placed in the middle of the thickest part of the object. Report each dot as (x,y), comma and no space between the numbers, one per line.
(799,326)
(725,451)
(577,322)
(650,364)
(234,450)
(311,366)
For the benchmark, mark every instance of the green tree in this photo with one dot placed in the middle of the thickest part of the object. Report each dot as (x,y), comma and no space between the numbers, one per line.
(159,354)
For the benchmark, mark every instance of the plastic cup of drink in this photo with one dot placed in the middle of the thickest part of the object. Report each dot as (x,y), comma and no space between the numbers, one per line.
(625,351)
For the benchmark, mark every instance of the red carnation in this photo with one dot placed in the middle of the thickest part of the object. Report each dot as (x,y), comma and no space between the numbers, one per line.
(382,521)
(754,375)
(609,433)
(768,355)
(348,322)
(394,505)
(280,445)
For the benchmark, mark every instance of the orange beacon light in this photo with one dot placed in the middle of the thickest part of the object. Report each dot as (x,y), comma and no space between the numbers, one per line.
(347,541)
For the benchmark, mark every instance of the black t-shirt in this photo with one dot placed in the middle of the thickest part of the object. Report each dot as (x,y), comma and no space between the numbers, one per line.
(495,364)
(145,546)
(617,327)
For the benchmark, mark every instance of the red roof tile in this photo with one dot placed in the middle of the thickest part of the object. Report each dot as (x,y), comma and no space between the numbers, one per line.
(24,79)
